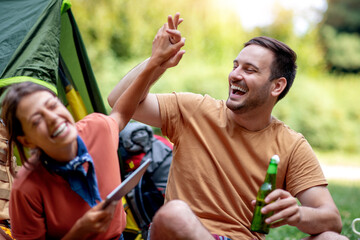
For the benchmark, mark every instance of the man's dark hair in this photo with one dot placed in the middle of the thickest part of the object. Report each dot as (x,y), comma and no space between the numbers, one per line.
(284,63)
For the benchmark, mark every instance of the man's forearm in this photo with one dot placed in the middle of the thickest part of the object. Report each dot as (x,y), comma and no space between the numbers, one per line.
(315,221)
(129,78)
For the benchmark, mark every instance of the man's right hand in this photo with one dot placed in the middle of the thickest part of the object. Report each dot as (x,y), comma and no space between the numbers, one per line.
(173,24)
(164,53)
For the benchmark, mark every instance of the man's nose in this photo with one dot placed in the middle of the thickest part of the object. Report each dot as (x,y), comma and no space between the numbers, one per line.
(236,74)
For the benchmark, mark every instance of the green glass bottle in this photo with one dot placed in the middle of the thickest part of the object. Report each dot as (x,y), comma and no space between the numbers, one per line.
(258,223)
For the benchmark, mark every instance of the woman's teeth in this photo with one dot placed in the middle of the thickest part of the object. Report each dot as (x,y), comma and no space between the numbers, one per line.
(59,130)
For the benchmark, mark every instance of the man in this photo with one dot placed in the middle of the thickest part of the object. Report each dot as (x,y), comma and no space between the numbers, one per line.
(222,150)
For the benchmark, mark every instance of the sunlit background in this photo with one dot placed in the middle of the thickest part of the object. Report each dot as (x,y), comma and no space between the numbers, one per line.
(323,103)
(262,13)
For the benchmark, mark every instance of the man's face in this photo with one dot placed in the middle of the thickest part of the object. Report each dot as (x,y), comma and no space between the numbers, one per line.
(46,123)
(249,85)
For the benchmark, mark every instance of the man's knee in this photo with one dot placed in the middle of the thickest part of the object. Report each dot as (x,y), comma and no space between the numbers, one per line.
(173,212)
(175,220)
(327,236)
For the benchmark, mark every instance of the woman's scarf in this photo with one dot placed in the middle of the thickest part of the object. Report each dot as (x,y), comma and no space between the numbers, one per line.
(82,182)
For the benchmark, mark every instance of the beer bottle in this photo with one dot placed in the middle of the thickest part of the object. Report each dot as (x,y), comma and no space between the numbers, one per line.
(258,223)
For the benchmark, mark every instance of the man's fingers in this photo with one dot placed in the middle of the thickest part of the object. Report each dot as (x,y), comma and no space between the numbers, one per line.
(276,194)
(278,224)
(171,22)
(279,205)
(286,213)
(175,35)
(174,22)
(178,56)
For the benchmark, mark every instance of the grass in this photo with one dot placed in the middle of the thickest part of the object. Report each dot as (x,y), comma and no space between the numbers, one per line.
(346,195)
(338,158)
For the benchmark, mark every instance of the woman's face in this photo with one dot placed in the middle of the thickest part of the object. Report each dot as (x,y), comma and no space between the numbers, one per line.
(47,124)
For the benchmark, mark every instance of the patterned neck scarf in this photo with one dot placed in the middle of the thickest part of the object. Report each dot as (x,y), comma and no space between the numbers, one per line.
(82,182)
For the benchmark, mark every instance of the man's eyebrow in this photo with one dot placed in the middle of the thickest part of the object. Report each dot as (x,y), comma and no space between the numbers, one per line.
(247,64)
(252,65)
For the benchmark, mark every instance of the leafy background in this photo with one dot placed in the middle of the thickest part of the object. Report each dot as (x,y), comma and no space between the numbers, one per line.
(323,103)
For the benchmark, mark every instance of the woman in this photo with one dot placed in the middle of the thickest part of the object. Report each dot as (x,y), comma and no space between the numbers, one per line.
(72,166)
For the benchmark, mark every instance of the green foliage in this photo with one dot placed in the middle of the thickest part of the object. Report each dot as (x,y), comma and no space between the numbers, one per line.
(282,28)
(346,196)
(119,33)
(340,35)
(319,109)
(122,29)
(343,49)
(343,15)
(126,29)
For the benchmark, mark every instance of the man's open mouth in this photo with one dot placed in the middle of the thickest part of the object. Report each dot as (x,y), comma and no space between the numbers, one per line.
(238,90)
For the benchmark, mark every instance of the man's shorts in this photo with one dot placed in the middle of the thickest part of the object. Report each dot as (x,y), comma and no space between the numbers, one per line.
(217,237)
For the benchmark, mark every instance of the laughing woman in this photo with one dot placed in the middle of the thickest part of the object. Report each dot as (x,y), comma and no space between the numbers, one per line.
(72,166)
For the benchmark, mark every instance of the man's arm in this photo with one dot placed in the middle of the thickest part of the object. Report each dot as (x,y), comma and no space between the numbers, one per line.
(164,53)
(129,78)
(317,213)
(148,110)
(148,106)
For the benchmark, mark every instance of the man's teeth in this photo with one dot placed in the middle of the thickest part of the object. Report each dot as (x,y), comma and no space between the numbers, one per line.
(238,88)
(59,130)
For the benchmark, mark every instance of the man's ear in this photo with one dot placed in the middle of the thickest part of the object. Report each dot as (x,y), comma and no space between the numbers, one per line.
(278,86)
(25,142)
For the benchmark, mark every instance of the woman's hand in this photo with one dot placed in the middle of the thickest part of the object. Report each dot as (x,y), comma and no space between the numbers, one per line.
(93,222)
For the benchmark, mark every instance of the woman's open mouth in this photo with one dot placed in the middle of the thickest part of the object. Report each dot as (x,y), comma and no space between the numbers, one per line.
(59,130)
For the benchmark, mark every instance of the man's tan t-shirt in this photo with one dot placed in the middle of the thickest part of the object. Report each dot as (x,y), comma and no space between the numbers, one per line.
(219,166)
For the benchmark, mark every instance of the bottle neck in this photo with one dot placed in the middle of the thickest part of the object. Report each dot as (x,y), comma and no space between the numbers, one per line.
(272,169)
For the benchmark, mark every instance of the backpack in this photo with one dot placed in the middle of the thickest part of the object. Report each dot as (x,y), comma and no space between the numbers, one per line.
(138,143)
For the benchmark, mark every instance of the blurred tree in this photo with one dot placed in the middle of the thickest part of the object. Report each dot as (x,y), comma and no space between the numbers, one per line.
(340,32)
(310,55)
(123,29)
(343,15)
(282,28)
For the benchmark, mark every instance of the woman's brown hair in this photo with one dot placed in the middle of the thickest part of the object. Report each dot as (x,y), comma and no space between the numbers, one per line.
(10,104)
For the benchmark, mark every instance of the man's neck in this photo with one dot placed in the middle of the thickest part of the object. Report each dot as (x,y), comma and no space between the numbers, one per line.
(252,122)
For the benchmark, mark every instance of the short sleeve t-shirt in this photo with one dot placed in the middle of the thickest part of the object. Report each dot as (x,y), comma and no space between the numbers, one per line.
(43,204)
(218,166)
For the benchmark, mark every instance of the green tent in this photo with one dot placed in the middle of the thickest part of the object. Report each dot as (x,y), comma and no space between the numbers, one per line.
(41,42)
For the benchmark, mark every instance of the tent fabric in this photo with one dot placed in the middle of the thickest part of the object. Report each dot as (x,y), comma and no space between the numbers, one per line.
(77,65)
(37,53)
(15,18)
(8,81)
(34,36)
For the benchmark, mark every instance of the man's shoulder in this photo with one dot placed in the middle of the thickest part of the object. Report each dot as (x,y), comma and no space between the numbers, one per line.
(190,102)
(187,96)
(285,130)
